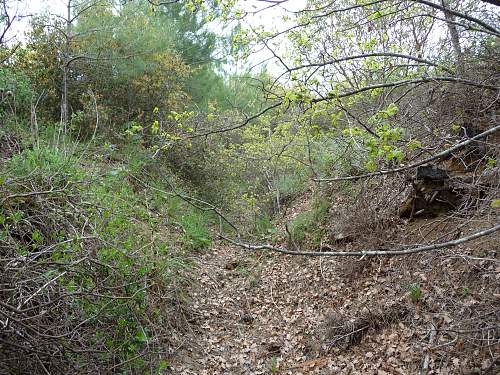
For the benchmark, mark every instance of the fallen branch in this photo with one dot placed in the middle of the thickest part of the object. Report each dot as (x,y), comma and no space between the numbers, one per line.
(367,253)
(440,155)
(32,193)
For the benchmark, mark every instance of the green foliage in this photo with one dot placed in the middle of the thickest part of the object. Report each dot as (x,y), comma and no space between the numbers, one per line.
(50,166)
(164,365)
(495,203)
(290,184)
(243,270)
(39,60)
(274,365)
(132,81)
(243,92)
(416,293)
(109,279)
(264,226)
(17,91)
(138,60)
(382,145)
(113,224)
(195,228)
(307,226)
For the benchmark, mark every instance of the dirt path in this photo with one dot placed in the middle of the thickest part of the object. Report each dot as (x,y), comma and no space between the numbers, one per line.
(259,313)
(266,314)
(251,314)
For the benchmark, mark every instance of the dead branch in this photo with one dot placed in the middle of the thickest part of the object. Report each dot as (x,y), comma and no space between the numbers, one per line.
(367,253)
(440,155)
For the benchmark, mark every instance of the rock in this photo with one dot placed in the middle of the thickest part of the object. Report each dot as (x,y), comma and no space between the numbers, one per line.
(430,173)
(343,238)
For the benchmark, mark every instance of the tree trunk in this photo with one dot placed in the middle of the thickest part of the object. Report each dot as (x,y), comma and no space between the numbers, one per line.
(455,40)
(64,103)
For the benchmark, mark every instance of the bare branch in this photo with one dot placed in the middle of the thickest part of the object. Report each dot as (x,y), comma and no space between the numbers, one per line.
(367,253)
(195,202)
(410,82)
(375,54)
(238,126)
(460,15)
(440,155)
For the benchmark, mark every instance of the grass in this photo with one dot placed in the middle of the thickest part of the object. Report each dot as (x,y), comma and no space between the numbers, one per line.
(416,293)
(47,165)
(274,365)
(196,235)
(307,224)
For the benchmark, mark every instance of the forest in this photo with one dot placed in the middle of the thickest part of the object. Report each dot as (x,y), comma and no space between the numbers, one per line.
(250,187)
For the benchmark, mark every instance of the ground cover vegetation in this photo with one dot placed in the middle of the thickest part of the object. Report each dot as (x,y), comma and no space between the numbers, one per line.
(138,172)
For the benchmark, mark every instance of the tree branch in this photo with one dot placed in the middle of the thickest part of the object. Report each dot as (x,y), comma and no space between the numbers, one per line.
(409,82)
(367,253)
(460,15)
(375,54)
(241,125)
(440,155)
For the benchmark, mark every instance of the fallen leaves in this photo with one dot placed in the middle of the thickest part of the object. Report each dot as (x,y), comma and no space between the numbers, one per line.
(244,326)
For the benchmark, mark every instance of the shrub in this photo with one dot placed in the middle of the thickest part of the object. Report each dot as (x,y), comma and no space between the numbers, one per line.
(18,84)
(51,167)
(84,278)
(307,226)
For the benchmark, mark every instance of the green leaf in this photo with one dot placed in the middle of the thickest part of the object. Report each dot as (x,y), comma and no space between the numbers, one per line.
(491,163)
(163,365)
(141,337)
(414,145)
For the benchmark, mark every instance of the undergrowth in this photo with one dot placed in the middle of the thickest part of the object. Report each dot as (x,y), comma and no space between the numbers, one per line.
(308,225)
(94,266)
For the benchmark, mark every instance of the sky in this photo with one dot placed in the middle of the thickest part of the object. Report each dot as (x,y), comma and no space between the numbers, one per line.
(269,18)
(32,7)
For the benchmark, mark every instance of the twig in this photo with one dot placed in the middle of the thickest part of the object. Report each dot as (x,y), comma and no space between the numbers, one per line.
(347,335)
(425,365)
(31,193)
(190,200)
(447,152)
(48,283)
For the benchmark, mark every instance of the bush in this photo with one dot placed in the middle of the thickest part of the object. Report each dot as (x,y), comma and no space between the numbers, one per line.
(84,279)
(50,167)
(17,92)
